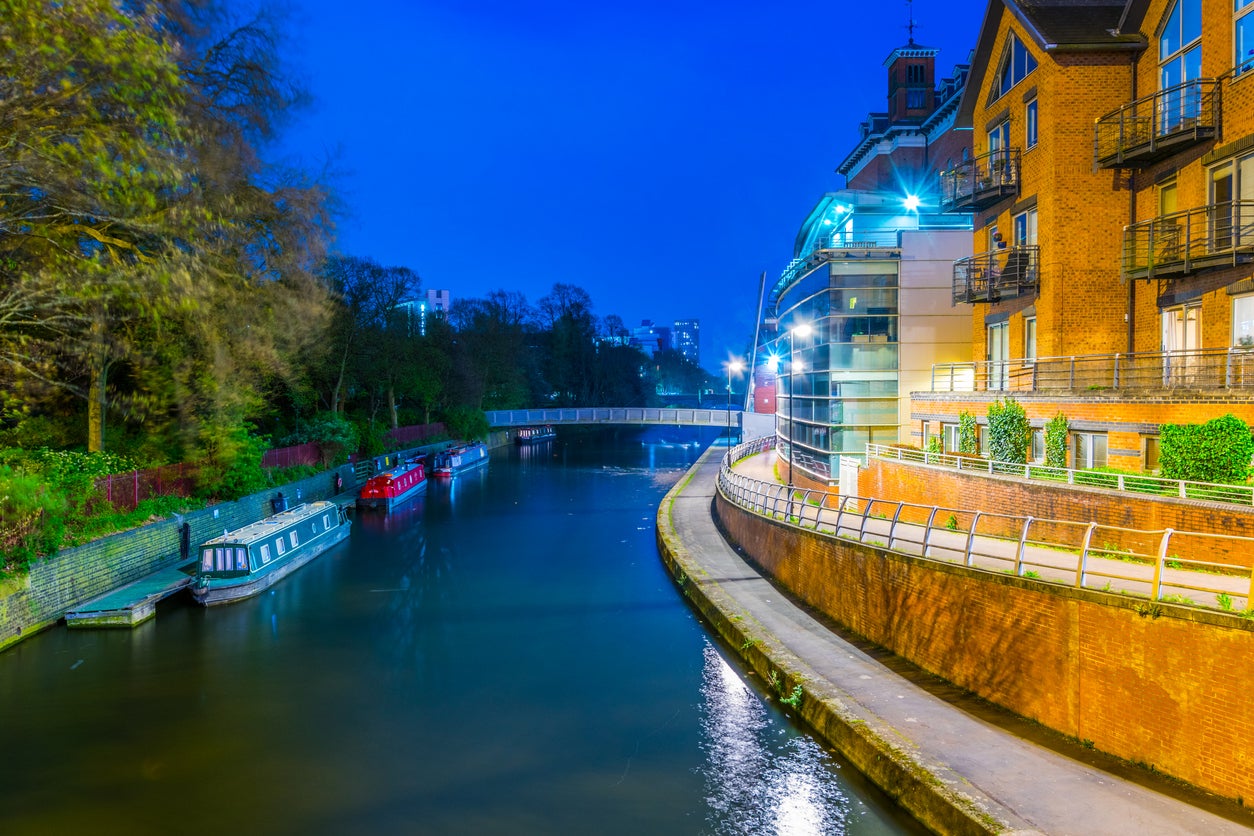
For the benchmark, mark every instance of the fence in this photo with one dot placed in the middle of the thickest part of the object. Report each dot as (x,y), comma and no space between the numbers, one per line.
(124,491)
(406,436)
(1164,565)
(1130,482)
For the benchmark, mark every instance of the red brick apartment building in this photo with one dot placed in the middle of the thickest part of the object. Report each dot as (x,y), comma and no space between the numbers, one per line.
(1112,187)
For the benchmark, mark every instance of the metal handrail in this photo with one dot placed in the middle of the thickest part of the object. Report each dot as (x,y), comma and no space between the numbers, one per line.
(980,181)
(1161,565)
(1210,368)
(1216,234)
(1000,274)
(611,415)
(1167,117)
(1120,482)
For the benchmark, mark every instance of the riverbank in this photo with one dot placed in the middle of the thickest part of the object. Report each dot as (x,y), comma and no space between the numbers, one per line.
(954,771)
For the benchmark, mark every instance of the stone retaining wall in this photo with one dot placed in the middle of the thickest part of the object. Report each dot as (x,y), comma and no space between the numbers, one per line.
(74,576)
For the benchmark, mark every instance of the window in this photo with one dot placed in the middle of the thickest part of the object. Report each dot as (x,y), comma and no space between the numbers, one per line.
(1232,204)
(915,99)
(1030,124)
(1243,321)
(998,355)
(1179,62)
(241,558)
(1016,64)
(1149,453)
(914,74)
(999,137)
(294,537)
(222,559)
(1025,229)
(949,438)
(326,521)
(1029,338)
(265,552)
(206,560)
(1038,446)
(1088,450)
(1243,33)
(280,546)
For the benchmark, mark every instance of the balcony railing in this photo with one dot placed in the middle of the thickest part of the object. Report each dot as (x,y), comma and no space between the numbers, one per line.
(838,245)
(980,182)
(1201,369)
(1000,274)
(1159,125)
(1217,235)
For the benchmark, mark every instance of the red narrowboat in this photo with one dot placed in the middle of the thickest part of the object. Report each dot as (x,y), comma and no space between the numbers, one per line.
(390,488)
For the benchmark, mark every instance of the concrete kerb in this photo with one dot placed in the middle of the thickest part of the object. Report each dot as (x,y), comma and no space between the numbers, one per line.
(931,792)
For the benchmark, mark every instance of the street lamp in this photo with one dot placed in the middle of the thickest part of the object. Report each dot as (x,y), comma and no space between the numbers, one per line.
(802,330)
(732,366)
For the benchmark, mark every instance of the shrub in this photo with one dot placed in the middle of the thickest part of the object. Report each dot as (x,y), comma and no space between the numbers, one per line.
(336,437)
(1009,433)
(233,468)
(466,422)
(31,519)
(1218,451)
(968,434)
(1056,430)
(934,444)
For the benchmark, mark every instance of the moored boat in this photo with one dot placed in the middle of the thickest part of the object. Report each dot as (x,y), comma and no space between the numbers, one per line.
(461,458)
(535,435)
(390,488)
(241,563)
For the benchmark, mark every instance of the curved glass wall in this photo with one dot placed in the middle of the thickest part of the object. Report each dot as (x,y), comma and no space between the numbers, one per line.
(838,383)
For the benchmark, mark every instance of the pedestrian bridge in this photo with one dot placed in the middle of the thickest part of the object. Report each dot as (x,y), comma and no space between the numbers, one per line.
(503,418)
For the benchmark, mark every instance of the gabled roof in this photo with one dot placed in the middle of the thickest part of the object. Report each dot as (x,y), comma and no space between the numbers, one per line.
(1054,26)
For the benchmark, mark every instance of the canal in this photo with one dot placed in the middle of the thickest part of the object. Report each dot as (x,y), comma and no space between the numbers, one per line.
(505,655)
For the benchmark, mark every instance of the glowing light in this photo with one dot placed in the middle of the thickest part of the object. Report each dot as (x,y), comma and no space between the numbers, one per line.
(772,362)
(802,330)
(912,202)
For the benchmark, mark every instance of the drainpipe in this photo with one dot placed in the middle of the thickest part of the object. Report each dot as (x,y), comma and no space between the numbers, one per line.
(1130,315)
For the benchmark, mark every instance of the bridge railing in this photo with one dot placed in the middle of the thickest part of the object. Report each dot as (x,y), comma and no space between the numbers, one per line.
(1171,566)
(612,415)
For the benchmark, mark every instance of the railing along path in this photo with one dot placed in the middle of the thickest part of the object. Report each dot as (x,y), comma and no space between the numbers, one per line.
(1167,565)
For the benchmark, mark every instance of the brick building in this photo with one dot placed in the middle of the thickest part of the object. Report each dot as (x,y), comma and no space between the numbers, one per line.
(1112,186)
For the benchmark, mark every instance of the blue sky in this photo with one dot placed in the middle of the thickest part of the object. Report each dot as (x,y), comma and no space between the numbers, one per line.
(660,155)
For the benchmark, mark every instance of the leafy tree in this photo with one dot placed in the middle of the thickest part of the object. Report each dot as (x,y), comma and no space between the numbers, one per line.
(1218,451)
(1009,433)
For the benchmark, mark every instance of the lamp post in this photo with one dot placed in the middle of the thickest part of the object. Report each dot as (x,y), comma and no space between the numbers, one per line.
(802,330)
(732,366)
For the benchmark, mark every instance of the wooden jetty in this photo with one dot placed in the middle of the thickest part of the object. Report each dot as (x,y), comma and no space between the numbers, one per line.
(134,603)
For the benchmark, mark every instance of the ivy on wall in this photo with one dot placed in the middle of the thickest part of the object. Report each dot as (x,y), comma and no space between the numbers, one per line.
(1009,433)
(968,438)
(1218,451)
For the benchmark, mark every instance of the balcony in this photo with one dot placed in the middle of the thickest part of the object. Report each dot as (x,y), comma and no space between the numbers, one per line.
(997,275)
(1208,369)
(980,182)
(1158,126)
(1188,242)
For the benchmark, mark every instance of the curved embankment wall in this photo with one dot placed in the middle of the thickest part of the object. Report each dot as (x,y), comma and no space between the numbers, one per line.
(1166,686)
(74,576)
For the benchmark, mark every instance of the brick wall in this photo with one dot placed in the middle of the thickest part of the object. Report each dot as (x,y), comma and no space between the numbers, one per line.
(72,577)
(1167,686)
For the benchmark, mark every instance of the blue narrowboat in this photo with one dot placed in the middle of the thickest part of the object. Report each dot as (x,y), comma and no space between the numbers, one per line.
(241,563)
(535,435)
(460,459)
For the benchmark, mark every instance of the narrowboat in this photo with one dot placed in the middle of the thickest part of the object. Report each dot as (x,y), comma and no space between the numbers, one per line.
(535,435)
(241,563)
(390,488)
(461,458)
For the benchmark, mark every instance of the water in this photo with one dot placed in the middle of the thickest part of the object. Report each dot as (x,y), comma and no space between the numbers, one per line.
(503,656)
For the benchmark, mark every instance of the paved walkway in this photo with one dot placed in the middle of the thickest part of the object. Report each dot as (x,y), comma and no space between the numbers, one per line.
(988,772)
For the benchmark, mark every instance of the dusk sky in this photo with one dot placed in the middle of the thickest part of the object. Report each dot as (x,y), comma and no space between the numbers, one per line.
(659,155)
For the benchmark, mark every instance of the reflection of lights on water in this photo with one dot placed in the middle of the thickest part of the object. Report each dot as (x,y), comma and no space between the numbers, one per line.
(759,778)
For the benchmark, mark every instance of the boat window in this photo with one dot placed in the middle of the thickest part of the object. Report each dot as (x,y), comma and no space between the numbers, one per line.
(223,559)
(206,560)
(313,526)
(280,545)
(265,552)
(295,538)
(241,559)
(326,521)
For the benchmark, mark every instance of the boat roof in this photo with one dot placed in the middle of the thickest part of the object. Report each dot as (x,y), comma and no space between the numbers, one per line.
(261,529)
(400,469)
